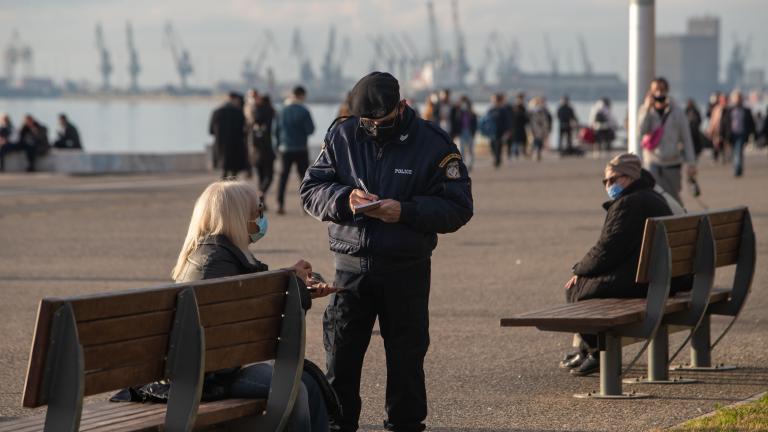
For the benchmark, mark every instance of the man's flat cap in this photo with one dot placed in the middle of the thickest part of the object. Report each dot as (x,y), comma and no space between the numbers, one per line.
(375,95)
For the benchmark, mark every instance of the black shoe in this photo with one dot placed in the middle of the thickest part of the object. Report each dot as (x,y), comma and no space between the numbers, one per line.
(281,211)
(590,365)
(572,360)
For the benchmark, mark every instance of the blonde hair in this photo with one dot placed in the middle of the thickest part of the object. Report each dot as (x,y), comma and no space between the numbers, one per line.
(223,208)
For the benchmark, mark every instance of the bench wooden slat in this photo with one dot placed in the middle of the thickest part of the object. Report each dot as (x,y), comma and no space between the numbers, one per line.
(682,253)
(238,355)
(242,310)
(728,244)
(728,258)
(681,268)
(243,332)
(681,223)
(726,217)
(682,238)
(149,417)
(106,380)
(124,304)
(727,230)
(124,328)
(119,354)
(238,289)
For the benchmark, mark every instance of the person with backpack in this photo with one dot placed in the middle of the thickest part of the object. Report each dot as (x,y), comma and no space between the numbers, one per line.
(666,139)
(603,124)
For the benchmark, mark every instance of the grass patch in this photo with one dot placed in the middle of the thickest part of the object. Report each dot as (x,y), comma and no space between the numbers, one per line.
(752,416)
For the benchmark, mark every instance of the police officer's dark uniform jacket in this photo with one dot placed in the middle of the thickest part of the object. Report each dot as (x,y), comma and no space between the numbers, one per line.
(384,268)
(421,168)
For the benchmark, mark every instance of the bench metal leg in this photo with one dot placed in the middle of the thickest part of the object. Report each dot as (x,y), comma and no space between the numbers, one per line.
(701,354)
(63,382)
(610,373)
(658,364)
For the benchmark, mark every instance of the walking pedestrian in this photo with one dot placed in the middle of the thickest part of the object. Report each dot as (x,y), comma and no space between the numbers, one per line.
(694,123)
(296,126)
(262,150)
(495,125)
(412,180)
(540,124)
(715,132)
(601,120)
(666,139)
(518,135)
(737,125)
(566,118)
(228,127)
(464,124)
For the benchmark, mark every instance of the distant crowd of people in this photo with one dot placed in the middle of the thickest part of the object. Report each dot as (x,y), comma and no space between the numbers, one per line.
(32,138)
(250,134)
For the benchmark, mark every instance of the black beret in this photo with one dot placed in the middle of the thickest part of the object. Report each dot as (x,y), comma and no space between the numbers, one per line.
(375,95)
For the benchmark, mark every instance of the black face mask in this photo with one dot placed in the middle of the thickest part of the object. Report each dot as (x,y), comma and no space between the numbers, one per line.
(383,131)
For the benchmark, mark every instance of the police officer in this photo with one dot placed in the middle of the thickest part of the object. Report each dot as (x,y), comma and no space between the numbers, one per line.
(384,153)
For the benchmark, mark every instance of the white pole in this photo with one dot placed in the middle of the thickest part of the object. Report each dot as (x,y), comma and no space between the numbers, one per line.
(642,62)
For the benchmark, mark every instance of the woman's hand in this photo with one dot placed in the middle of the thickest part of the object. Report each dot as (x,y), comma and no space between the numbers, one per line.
(321,289)
(303,270)
(571,282)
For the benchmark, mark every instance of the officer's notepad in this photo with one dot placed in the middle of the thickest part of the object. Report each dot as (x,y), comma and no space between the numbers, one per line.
(367,207)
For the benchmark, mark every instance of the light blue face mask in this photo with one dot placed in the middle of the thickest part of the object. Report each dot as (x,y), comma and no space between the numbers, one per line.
(263,225)
(615,191)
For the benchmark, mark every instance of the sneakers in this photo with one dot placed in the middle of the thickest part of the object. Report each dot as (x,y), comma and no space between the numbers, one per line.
(572,360)
(590,365)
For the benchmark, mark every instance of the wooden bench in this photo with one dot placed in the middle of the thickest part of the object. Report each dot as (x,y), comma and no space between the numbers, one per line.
(93,344)
(639,319)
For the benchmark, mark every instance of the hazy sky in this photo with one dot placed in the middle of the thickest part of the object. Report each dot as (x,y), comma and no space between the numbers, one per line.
(219,33)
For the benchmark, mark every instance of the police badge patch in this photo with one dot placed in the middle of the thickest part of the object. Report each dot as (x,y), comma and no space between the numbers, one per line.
(452,170)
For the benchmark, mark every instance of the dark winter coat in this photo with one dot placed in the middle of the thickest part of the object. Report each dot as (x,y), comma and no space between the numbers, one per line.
(36,138)
(261,135)
(69,138)
(518,123)
(457,122)
(609,268)
(228,127)
(565,116)
(725,123)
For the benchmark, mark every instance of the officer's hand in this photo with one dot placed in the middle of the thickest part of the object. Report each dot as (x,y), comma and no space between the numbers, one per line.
(571,282)
(691,170)
(303,270)
(389,211)
(360,197)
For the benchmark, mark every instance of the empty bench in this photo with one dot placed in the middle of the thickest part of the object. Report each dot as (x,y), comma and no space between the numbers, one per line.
(672,246)
(93,344)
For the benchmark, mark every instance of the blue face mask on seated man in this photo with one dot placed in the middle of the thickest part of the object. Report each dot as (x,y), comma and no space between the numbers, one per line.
(263,225)
(615,191)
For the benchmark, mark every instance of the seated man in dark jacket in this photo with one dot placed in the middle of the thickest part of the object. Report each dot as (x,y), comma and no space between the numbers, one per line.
(608,269)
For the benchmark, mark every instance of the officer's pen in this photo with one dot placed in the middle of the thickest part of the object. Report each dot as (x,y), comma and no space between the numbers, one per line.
(360,181)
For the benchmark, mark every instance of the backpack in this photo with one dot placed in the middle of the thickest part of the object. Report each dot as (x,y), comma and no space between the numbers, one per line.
(487,125)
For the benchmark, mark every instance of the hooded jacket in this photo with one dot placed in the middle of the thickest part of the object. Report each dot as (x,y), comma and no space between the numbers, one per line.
(420,167)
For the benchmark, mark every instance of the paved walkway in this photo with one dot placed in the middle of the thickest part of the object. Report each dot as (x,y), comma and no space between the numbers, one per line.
(74,235)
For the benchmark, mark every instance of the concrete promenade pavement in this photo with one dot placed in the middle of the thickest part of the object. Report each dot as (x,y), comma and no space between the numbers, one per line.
(75,235)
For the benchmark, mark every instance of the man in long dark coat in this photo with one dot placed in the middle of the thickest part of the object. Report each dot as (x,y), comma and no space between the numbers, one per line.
(228,128)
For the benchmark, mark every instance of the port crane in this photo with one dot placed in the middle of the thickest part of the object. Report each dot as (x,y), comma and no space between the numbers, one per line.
(181,57)
(105,65)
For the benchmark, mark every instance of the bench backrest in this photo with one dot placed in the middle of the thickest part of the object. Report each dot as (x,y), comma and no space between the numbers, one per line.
(735,244)
(132,337)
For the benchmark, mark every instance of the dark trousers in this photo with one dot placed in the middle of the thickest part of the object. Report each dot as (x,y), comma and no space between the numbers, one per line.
(400,300)
(496,149)
(568,140)
(17,147)
(301,159)
(265,171)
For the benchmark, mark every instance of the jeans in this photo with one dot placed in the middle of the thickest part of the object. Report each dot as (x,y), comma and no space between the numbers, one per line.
(309,412)
(739,141)
(467,143)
